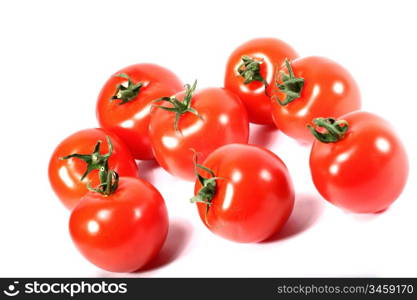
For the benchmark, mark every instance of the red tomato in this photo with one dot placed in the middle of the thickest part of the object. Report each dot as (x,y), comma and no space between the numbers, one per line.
(362,166)
(318,87)
(249,74)
(216,117)
(123,231)
(64,175)
(252,197)
(124,103)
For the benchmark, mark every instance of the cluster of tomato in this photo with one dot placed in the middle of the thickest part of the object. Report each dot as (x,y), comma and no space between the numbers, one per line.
(243,192)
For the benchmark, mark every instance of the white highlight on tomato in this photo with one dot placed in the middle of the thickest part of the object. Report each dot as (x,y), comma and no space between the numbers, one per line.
(92,226)
(236,176)
(170,142)
(266,175)
(103,214)
(334,169)
(139,115)
(192,128)
(223,119)
(127,124)
(143,112)
(64,175)
(342,157)
(138,213)
(314,94)
(338,87)
(228,196)
(382,145)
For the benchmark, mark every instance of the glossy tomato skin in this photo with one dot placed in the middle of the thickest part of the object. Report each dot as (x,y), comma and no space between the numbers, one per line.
(64,175)
(255,198)
(365,171)
(329,91)
(130,121)
(123,231)
(224,120)
(273,53)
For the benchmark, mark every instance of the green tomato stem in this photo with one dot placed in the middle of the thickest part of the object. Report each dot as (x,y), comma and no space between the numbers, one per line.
(334,130)
(180,107)
(126,93)
(290,85)
(109,179)
(209,186)
(250,70)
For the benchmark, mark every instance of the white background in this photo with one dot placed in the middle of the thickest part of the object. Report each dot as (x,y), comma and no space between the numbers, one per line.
(55,56)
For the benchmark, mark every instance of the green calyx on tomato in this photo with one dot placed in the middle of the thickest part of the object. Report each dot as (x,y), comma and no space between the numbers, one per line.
(209,187)
(109,179)
(180,107)
(126,93)
(250,70)
(329,130)
(95,160)
(290,85)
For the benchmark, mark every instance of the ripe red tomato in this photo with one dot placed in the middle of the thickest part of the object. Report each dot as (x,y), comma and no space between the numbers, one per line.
(215,117)
(309,88)
(124,103)
(362,166)
(249,74)
(244,193)
(64,175)
(123,231)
